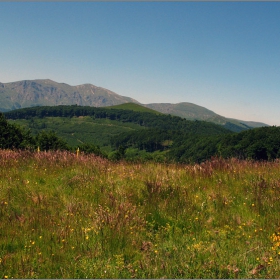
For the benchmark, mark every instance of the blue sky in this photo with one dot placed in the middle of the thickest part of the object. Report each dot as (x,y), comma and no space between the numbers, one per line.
(224,56)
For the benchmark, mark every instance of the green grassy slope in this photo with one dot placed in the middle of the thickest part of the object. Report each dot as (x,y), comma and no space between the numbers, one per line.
(79,130)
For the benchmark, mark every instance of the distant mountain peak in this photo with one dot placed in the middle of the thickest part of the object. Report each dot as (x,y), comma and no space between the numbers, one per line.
(46,92)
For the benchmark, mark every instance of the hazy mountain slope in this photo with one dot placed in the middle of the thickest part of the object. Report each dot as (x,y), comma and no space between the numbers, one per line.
(185,110)
(192,111)
(24,94)
(250,123)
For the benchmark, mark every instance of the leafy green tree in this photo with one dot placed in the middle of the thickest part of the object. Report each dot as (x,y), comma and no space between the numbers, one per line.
(48,140)
(13,136)
(91,149)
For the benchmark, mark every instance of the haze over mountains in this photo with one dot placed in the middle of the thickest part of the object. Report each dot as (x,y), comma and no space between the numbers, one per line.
(30,93)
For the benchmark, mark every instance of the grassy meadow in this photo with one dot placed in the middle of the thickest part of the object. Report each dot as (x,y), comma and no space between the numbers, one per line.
(64,215)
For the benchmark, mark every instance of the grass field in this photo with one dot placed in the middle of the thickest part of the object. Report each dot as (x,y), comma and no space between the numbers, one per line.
(65,215)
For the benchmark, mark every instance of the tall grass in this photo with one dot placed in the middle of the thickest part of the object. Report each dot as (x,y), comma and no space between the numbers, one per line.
(69,216)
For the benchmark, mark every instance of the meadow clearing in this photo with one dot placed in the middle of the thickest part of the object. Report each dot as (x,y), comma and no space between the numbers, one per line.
(68,215)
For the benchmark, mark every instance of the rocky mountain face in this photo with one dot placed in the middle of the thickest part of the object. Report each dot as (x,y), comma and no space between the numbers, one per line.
(24,94)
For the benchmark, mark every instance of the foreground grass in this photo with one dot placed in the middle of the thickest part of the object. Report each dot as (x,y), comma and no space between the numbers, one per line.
(63,216)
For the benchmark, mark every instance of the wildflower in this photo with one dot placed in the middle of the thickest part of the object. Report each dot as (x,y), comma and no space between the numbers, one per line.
(6,277)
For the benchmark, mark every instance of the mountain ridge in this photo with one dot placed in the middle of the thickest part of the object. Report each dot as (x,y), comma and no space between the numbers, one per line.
(46,92)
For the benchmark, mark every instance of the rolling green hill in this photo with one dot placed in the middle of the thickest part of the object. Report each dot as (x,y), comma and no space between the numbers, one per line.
(129,134)
(78,124)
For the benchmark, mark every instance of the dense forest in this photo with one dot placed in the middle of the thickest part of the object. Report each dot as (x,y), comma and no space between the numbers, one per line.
(163,137)
(259,144)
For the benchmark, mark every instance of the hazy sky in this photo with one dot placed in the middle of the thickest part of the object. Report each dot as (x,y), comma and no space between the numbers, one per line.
(224,56)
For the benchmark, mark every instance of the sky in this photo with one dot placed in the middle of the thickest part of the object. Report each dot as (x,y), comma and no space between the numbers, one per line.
(224,56)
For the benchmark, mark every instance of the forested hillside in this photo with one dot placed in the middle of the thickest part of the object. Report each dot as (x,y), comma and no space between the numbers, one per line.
(259,144)
(144,135)
(146,119)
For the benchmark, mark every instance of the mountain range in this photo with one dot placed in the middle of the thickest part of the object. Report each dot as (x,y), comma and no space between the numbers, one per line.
(45,92)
